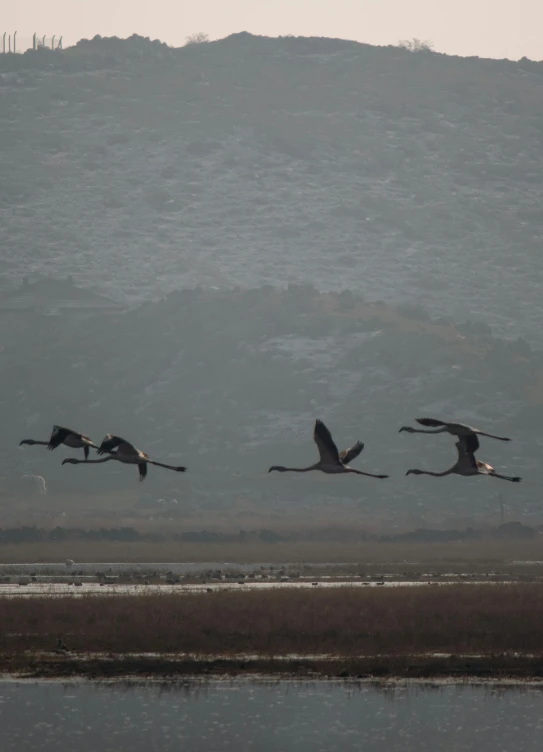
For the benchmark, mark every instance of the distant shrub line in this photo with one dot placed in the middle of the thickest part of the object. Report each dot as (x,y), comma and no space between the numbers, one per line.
(31,534)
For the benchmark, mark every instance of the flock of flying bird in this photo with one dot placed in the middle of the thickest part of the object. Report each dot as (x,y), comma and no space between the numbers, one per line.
(330,459)
(113,446)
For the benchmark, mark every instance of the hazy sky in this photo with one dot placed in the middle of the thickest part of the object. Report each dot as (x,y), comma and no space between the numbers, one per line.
(489,28)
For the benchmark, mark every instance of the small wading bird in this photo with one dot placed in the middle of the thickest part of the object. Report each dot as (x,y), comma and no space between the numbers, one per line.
(467,464)
(331,461)
(61,435)
(456,429)
(125,452)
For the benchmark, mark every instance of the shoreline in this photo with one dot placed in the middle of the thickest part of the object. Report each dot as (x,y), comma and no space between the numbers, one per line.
(527,668)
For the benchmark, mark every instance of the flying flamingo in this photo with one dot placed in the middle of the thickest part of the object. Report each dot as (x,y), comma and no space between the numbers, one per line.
(61,435)
(456,429)
(466,463)
(331,461)
(125,452)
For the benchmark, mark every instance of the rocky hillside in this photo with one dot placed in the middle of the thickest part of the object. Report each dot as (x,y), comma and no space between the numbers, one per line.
(402,175)
(250,202)
(230,382)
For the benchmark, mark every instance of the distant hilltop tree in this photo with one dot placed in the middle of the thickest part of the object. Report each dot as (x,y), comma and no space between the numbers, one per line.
(200,37)
(416,45)
(135,41)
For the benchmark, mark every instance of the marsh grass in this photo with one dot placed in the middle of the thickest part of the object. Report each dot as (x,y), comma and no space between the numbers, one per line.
(478,619)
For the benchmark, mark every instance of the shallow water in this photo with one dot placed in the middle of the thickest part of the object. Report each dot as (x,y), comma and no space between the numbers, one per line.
(57,579)
(178,567)
(94,588)
(192,568)
(269,716)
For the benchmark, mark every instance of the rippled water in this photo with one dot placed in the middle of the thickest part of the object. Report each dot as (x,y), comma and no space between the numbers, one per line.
(269,716)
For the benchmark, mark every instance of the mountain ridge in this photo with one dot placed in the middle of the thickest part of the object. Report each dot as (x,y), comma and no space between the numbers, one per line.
(253,160)
(294,229)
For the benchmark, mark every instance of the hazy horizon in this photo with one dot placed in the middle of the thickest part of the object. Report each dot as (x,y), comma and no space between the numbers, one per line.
(490,28)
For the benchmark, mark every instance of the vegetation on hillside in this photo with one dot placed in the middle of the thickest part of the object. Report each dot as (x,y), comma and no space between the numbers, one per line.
(251,159)
(270,171)
(229,382)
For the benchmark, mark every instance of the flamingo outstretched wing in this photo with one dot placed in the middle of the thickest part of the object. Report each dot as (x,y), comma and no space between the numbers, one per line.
(325,443)
(348,455)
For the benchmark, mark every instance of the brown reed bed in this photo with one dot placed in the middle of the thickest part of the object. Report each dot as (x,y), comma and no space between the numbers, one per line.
(347,622)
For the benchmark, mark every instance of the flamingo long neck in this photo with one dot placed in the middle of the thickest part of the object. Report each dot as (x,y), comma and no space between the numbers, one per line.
(31,442)
(94,462)
(296,469)
(491,436)
(429,430)
(360,472)
(503,477)
(161,464)
(429,472)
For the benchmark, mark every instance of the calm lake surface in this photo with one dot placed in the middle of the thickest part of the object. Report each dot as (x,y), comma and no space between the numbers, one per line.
(269,716)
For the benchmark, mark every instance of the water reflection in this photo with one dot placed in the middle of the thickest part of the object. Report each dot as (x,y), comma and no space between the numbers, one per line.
(269,716)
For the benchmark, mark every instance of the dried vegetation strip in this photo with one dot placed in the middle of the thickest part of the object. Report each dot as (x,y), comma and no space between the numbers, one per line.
(487,619)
